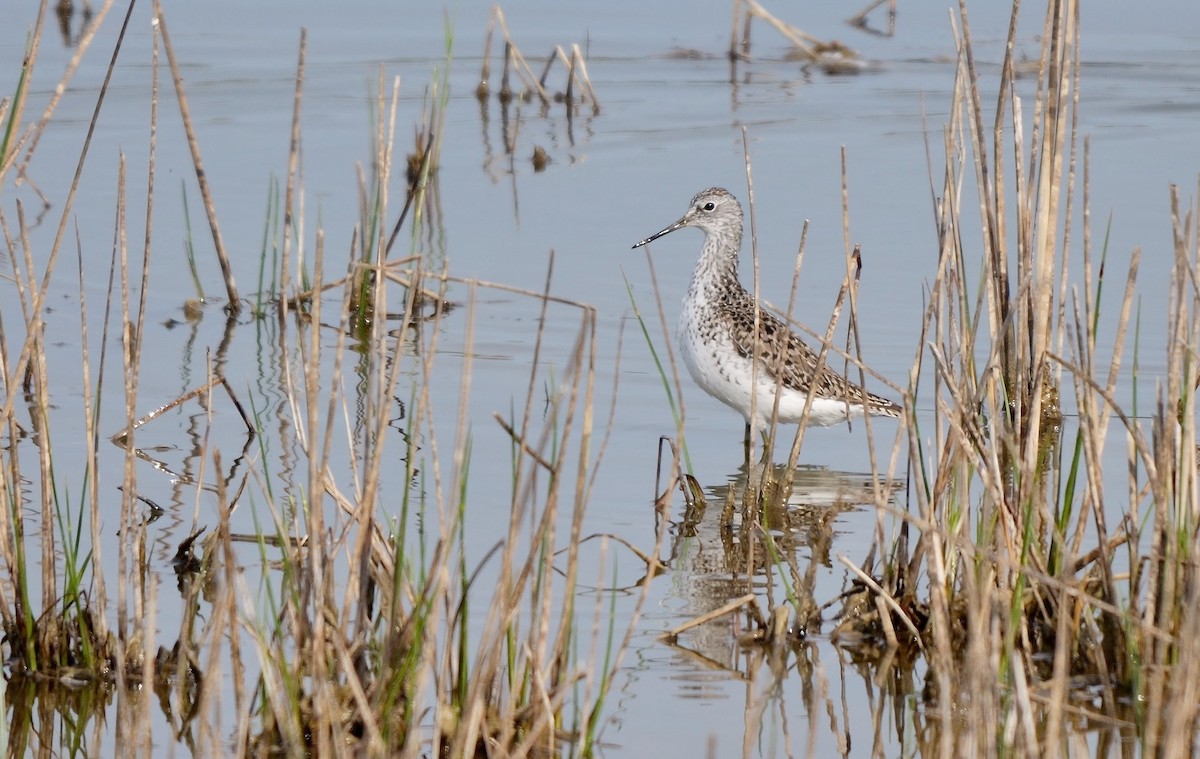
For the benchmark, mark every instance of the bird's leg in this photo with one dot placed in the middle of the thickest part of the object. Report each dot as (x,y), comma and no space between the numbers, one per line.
(746,445)
(768,447)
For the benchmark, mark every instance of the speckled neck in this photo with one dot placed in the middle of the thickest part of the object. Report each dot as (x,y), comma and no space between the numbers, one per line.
(717,268)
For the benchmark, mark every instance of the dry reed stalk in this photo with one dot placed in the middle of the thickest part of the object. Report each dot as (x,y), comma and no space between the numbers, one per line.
(234,305)
(735,29)
(508,587)
(580,402)
(756,331)
(585,80)
(96,515)
(9,477)
(512,58)
(885,597)
(289,195)
(826,346)
(794,454)
(314,637)
(545,652)
(485,72)
(931,546)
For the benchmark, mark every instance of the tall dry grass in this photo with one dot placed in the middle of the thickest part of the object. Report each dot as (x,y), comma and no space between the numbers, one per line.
(362,635)
(1055,616)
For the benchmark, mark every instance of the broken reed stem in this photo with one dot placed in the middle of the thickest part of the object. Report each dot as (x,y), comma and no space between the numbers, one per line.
(122,437)
(570,64)
(525,445)
(485,71)
(731,606)
(513,53)
(805,43)
(556,53)
(585,79)
(515,62)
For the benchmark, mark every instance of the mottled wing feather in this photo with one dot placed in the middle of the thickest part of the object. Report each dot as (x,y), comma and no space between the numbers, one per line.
(782,351)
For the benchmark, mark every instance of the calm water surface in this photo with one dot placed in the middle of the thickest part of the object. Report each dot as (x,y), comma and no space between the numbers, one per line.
(670,125)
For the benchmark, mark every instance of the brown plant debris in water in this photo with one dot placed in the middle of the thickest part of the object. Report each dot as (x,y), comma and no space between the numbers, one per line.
(541,159)
(578,86)
(831,55)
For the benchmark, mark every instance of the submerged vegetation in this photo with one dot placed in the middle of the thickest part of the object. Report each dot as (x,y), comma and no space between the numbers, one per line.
(1002,608)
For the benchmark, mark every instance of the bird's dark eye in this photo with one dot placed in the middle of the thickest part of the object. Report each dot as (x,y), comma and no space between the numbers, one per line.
(709,206)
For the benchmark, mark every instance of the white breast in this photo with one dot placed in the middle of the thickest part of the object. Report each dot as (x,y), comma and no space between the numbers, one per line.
(717,367)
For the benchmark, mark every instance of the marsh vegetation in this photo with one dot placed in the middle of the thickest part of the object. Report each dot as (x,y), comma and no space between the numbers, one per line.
(343,585)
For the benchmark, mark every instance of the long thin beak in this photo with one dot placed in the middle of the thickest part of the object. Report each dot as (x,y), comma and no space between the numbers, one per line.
(666,231)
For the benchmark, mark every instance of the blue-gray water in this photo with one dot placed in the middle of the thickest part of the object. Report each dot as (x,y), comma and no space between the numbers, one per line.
(670,125)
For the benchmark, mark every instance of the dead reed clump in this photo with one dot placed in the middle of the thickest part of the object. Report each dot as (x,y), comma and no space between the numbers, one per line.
(830,56)
(578,88)
(68,644)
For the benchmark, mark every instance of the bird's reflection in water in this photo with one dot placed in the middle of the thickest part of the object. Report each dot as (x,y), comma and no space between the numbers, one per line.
(751,537)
